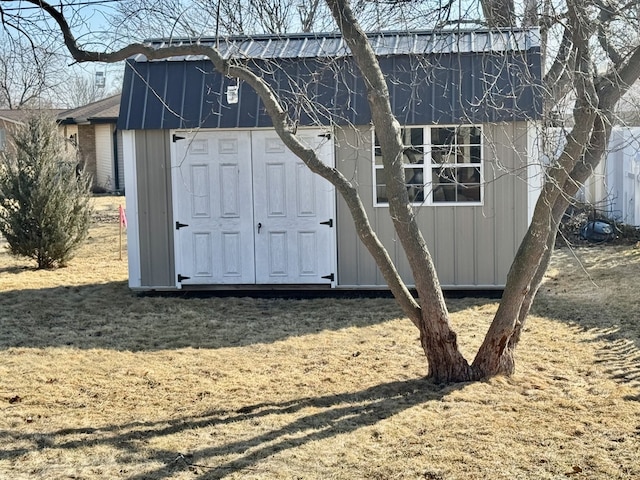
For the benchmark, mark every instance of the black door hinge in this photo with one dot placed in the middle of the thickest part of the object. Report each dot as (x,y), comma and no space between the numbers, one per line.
(180,225)
(177,137)
(328,222)
(182,278)
(329,277)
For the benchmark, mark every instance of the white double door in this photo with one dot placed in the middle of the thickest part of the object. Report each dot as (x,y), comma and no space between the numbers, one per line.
(248,211)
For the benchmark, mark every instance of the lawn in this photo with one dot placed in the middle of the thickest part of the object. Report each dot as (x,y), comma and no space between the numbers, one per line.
(99,382)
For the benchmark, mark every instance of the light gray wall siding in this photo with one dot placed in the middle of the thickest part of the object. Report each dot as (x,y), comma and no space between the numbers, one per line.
(120,155)
(155,212)
(472,246)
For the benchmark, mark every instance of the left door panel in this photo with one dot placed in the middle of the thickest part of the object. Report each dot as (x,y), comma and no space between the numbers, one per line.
(213,201)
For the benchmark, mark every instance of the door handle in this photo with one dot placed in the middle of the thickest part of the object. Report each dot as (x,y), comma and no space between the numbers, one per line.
(259,227)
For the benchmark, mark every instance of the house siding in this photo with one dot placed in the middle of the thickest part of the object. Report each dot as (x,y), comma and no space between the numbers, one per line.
(104,157)
(87,150)
(7,130)
(472,246)
(120,155)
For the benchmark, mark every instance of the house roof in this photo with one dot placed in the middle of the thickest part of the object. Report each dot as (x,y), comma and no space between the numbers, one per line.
(322,45)
(18,116)
(102,111)
(434,77)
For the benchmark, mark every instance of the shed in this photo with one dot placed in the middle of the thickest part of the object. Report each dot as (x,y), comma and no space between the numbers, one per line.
(622,179)
(215,200)
(613,190)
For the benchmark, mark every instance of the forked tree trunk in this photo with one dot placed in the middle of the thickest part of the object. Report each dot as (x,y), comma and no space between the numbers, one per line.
(495,355)
(439,341)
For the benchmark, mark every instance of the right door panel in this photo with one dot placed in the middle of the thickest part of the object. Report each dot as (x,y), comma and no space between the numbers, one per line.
(293,213)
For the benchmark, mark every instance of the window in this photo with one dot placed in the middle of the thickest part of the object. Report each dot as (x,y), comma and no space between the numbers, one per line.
(443,165)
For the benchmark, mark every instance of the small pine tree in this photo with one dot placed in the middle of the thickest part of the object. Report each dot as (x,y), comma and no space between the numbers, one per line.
(44,202)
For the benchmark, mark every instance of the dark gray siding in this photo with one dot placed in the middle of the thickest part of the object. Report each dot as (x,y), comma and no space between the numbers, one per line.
(472,246)
(155,217)
(424,89)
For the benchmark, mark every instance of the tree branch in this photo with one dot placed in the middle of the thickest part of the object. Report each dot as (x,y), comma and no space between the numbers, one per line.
(282,124)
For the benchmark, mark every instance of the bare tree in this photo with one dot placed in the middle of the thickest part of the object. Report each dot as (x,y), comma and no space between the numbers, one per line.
(27,72)
(197,18)
(594,93)
(83,89)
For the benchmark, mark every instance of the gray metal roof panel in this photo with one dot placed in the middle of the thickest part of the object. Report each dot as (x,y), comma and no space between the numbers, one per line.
(383,43)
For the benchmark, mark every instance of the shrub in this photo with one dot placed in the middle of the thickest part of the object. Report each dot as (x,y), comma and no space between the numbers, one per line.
(44,201)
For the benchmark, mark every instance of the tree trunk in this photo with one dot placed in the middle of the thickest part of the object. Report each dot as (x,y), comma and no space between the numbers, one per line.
(445,362)
(499,13)
(495,355)
(439,341)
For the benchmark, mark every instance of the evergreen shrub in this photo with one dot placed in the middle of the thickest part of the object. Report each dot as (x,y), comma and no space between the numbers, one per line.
(45,209)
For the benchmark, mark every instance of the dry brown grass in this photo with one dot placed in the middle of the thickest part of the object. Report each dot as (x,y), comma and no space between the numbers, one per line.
(97,382)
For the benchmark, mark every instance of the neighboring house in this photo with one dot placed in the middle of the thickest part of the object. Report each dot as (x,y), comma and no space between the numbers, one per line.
(11,120)
(215,200)
(92,128)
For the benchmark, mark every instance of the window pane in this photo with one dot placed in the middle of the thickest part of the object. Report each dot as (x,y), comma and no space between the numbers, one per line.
(413,155)
(413,136)
(415,184)
(468,193)
(475,154)
(377,151)
(444,175)
(475,135)
(468,175)
(443,135)
(463,154)
(381,176)
(381,194)
(444,193)
(444,184)
(414,176)
(468,184)
(440,155)
(378,156)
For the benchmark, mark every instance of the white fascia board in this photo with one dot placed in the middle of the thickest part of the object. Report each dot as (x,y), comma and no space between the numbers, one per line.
(131,195)
(535,167)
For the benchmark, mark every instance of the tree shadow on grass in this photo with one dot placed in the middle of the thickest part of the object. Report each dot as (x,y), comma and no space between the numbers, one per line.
(615,323)
(332,415)
(111,316)
(15,270)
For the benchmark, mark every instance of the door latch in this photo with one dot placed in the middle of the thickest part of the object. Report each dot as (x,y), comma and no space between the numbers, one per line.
(259,227)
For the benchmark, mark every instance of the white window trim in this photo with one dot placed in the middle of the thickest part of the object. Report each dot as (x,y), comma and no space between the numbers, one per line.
(428,167)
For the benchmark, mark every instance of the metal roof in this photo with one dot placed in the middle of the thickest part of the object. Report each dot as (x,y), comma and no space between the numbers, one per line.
(433,77)
(319,45)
